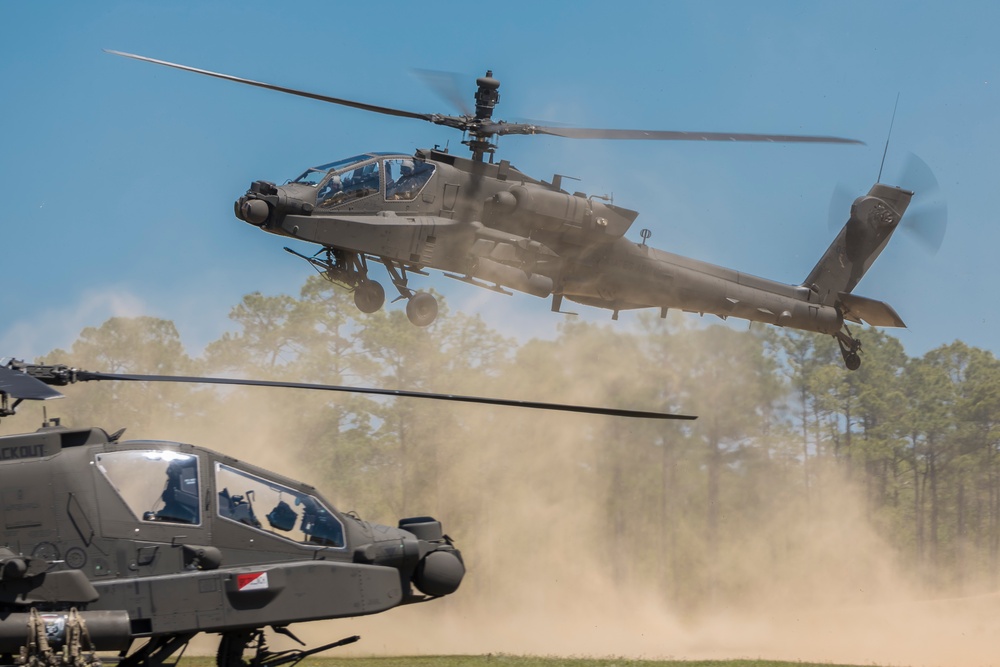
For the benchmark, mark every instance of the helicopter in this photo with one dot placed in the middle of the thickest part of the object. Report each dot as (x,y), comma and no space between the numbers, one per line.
(138,546)
(487,224)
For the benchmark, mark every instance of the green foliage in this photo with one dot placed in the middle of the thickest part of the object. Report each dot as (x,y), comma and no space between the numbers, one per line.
(128,345)
(718,511)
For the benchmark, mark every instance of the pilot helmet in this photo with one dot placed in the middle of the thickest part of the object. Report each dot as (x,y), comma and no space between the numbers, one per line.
(406,167)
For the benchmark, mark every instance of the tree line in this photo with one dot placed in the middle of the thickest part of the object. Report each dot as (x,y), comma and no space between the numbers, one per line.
(796,472)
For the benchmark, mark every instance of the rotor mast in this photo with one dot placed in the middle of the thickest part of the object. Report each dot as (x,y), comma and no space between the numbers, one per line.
(487,97)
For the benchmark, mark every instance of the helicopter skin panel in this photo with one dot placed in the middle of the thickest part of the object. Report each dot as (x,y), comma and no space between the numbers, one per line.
(71,586)
(408,239)
(635,276)
(275,594)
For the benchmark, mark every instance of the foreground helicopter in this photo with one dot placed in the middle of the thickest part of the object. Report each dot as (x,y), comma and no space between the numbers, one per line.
(138,546)
(490,225)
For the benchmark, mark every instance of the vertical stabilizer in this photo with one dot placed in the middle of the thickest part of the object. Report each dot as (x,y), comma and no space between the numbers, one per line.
(874,217)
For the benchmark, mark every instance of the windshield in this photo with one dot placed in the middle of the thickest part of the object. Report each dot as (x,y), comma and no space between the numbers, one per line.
(269,506)
(157,485)
(361,181)
(313,175)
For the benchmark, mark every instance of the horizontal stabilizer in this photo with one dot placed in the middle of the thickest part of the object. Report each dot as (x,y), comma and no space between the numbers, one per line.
(861,309)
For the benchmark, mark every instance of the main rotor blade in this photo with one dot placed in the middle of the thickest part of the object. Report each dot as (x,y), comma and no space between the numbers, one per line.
(21,385)
(389,111)
(613,412)
(467,124)
(447,86)
(665,135)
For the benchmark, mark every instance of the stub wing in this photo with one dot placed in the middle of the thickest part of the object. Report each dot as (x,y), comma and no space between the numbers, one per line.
(862,309)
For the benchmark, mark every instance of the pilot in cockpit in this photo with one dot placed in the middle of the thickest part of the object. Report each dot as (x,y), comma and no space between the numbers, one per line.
(411,178)
(180,493)
(332,188)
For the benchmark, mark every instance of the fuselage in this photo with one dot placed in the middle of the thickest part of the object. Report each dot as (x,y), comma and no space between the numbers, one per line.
(493,224)
(177,539)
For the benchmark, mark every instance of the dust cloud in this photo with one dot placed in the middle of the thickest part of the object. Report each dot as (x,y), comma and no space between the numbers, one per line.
(538,583)
(553,569)
(525,501)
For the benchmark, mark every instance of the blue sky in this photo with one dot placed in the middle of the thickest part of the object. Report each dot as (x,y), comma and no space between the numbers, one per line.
(120,176)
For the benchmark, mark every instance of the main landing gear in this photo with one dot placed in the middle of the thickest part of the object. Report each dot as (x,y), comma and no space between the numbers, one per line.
(849,348)
(350,270)
(237,642)
(421,309)
(369,296)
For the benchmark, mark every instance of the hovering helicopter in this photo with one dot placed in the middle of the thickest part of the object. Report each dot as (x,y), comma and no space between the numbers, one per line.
(489,225)
(138,546)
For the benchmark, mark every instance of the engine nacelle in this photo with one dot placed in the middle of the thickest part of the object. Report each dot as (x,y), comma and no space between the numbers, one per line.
(543,209)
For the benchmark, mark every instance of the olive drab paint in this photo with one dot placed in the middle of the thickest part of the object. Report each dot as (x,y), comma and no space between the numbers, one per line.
(492,226)
(137,541)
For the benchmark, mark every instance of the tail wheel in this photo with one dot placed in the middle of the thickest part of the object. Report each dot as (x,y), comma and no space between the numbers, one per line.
(849,348)
(369,296)
(422,309)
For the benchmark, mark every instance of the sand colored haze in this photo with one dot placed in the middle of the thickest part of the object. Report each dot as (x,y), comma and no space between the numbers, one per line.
(540,579)
(552,571)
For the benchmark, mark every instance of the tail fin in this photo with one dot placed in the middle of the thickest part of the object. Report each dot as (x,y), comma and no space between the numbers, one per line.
(874,217)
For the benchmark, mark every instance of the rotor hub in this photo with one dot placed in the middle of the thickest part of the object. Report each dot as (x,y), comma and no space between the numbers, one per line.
(487,96)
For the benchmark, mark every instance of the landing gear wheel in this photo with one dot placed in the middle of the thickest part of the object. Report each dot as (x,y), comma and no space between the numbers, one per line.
(422,309)
(852,361)
(849,348)
(369,296)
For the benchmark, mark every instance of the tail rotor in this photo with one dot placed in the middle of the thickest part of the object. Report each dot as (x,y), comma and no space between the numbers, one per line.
(926,219)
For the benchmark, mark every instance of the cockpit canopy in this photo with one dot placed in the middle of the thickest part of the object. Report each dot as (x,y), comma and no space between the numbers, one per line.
(313,175)
(159,485)
(247,498)
(394,176)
